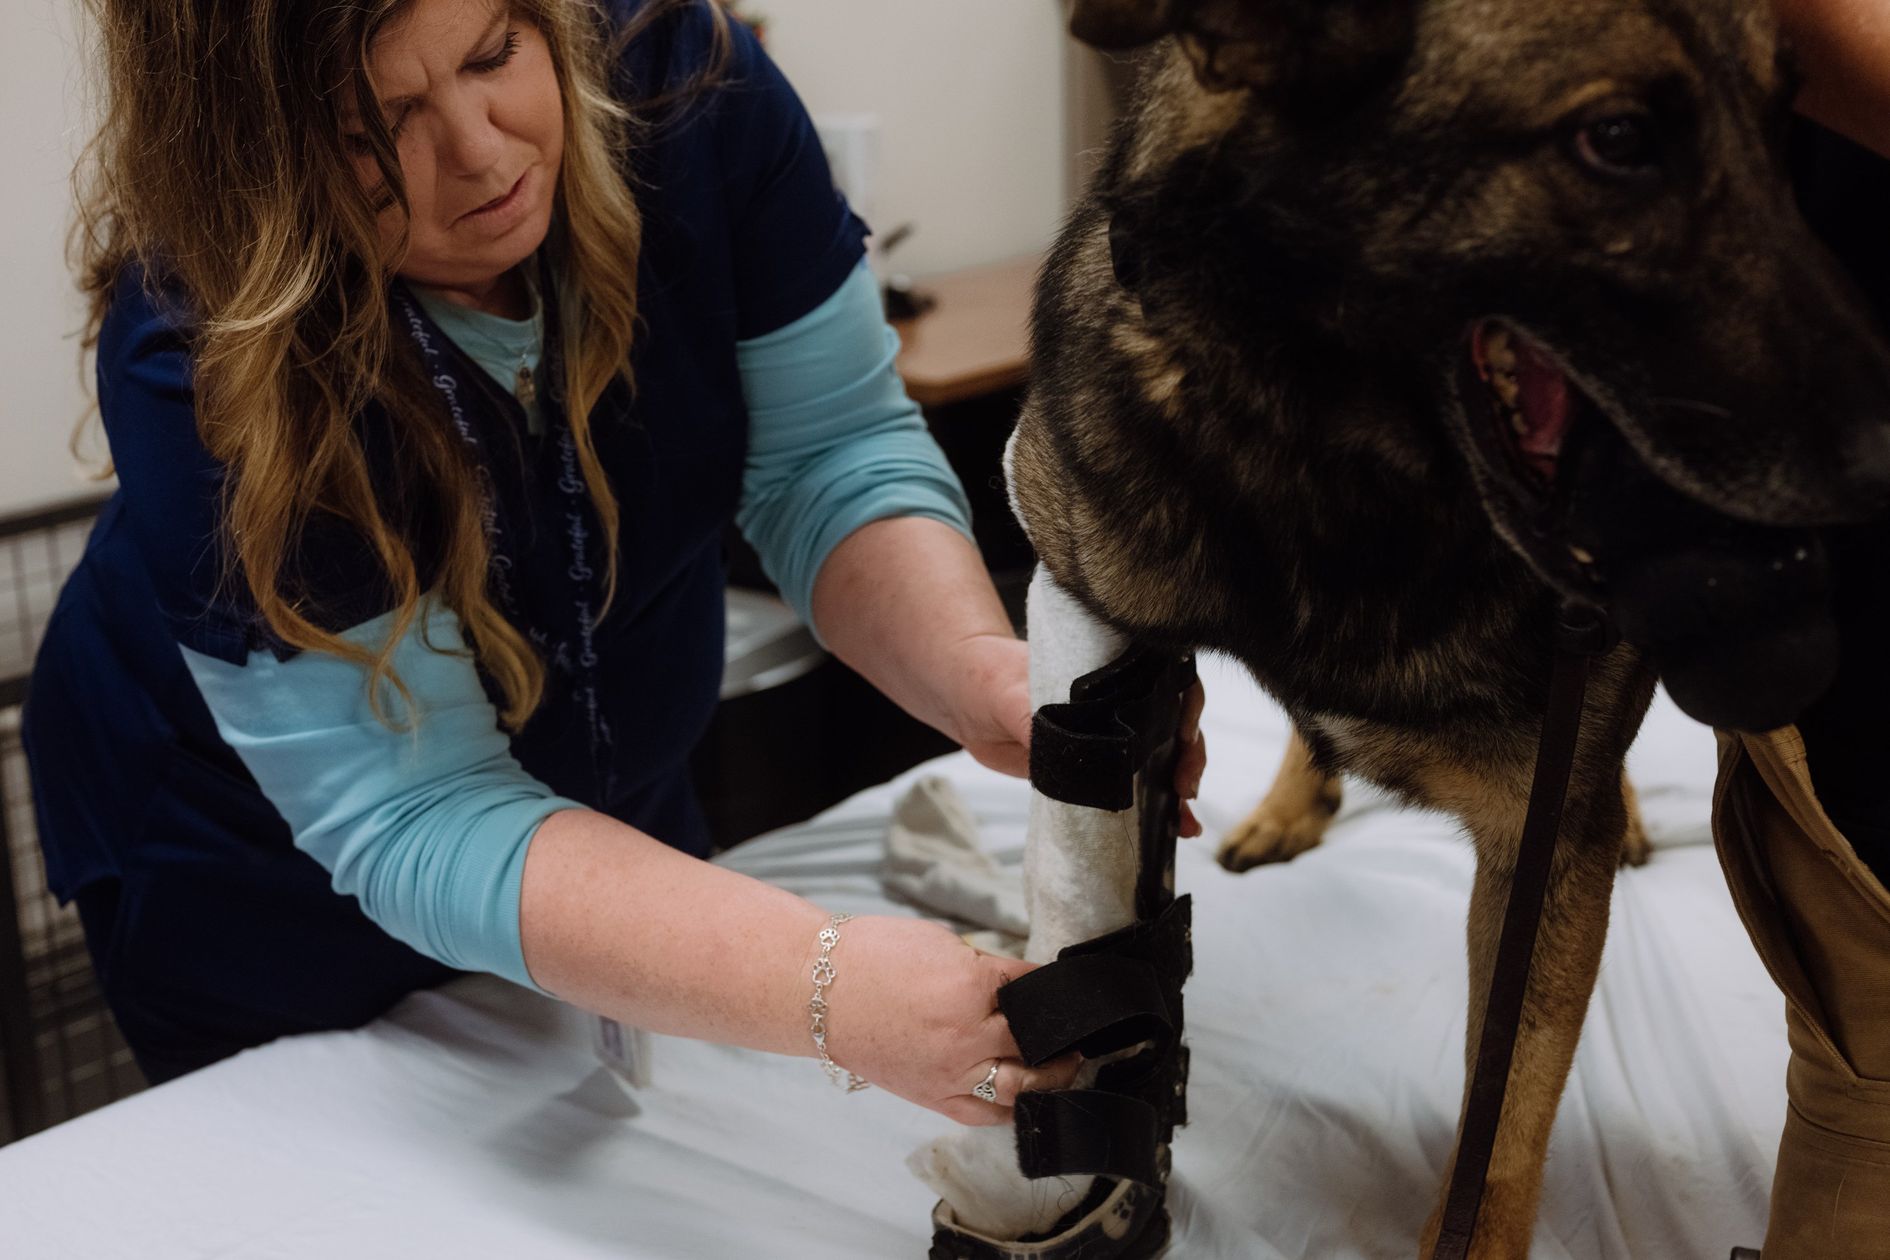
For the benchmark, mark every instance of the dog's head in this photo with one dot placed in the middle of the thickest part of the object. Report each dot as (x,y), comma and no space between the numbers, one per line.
(1579,212)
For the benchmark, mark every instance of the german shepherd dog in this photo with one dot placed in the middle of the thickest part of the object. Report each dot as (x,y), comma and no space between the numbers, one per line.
(1389,325)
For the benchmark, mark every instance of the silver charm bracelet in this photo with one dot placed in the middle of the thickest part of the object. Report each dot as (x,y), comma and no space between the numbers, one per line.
(817,1005)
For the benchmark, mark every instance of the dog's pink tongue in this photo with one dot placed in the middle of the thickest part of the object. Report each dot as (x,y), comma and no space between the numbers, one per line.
(1545,407)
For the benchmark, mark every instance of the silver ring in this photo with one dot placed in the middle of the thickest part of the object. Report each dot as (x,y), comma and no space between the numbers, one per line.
(987,1088)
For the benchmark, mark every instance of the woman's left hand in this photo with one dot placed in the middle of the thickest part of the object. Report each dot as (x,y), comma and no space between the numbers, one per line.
(991,716)
(990,709)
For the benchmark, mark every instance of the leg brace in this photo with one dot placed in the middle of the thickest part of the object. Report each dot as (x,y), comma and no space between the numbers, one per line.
(1117,997)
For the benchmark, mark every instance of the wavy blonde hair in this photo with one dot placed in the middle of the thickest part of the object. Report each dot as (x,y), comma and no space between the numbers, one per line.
(290,334)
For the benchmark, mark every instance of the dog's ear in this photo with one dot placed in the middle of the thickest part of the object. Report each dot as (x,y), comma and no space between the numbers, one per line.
(1296,50)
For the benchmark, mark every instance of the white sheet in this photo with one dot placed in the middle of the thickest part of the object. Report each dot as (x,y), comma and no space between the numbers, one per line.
(1325,1017)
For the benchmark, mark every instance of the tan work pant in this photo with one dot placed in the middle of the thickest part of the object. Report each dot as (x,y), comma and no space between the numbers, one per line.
(1821,921)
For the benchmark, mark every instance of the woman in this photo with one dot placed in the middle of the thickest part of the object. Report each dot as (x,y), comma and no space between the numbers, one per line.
(429,399)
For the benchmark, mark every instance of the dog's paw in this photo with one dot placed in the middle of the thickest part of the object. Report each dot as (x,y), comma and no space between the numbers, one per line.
(1271,834)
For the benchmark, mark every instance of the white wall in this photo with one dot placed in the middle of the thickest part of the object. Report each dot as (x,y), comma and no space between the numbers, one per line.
(969,96)
(41,396)
(968,93)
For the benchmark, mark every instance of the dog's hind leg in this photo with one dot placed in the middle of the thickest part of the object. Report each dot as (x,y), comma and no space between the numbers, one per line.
(1567,959)
(1291,819)
(1080,869)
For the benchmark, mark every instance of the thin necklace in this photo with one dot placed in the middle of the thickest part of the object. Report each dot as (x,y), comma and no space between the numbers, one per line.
(524,385)
(524,388)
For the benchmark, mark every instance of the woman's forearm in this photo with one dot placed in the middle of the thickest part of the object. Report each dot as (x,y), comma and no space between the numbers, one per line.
(616,922)
(1843,47)
(620,924)
(897,600)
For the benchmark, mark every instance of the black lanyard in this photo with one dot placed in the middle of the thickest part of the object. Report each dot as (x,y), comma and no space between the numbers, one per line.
(567,642)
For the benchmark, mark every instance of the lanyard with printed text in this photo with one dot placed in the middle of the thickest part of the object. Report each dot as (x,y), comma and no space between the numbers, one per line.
(569,650)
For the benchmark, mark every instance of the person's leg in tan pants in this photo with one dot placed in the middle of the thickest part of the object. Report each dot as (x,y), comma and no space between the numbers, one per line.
(1820,918)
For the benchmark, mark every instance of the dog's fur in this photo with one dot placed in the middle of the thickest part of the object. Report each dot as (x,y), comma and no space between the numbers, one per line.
(1255,425)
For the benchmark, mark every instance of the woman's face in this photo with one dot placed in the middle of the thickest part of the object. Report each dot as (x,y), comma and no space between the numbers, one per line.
(473,99)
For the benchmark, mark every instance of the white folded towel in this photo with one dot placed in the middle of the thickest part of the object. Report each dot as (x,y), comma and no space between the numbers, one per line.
(933,860)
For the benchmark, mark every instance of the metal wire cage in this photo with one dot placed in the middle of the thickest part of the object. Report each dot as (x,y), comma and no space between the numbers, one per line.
(60,1053)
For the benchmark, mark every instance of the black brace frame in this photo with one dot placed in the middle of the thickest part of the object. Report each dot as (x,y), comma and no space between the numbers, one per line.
(1112,747)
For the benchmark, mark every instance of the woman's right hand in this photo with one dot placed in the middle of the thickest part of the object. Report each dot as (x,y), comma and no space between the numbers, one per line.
(913,1009)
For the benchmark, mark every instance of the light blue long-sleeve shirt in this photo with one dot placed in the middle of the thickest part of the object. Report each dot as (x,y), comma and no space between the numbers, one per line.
(429,828)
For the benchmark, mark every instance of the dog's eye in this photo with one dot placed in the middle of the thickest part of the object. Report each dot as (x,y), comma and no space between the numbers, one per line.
(1622,144)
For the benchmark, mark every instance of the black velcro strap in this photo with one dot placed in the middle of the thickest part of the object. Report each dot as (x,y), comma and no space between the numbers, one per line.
(1096,1003)
(1088,752)
(1082,755)
(1106,994)
(1071,1132)
(1159,1077)
(1166,942)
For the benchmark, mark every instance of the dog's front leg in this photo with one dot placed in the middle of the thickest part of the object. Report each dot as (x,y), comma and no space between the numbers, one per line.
(1562,976)
(1080,868)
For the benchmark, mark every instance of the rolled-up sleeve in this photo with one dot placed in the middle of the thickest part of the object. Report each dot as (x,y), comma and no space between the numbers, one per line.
(834,442)
(427,827)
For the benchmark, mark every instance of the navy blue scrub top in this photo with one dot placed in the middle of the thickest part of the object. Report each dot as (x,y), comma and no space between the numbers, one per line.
(210,931)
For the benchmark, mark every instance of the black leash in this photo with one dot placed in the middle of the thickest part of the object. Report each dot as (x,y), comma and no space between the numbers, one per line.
(1581,634)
